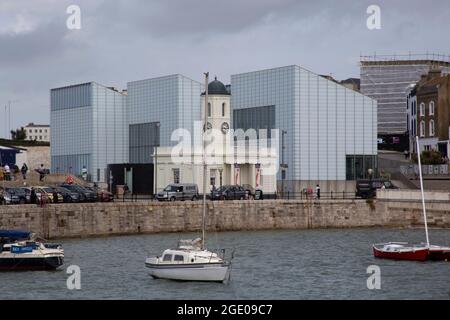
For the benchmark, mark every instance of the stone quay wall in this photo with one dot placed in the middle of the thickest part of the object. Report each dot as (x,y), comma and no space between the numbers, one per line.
(120,218)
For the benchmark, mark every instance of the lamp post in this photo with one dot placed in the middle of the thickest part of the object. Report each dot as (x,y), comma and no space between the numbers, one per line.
(155,161)
(220,176)
(283,165)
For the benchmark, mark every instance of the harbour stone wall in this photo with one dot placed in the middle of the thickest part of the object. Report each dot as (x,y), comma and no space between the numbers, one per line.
(103,219)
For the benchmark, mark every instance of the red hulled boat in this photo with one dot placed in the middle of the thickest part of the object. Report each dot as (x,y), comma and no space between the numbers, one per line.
(439,253)
(404,251)
(400,251)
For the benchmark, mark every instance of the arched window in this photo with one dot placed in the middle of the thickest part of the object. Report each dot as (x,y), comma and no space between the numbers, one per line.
(432,108)
(422,128)
(223,109)
(422,109)
(431,128)
(209,109)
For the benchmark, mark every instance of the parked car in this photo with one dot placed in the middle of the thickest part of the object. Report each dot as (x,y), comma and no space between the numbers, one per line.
(68,196)
(85,194)
(9,197)
(23,194)
(368,188)
(46,194)
(182,191)
(229,193)
(102,195)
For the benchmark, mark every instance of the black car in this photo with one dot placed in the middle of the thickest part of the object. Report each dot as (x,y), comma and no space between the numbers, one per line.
(68,196)
(85,194)
(9,197)
(17,195)
(368,188)
(229,193)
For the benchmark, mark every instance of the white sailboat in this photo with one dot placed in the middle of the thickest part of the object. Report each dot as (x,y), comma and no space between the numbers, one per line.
(191,260)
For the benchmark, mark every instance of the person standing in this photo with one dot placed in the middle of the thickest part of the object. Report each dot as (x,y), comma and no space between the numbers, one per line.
(406,153)
(7,173)
(41,173)
(84,173)
(24,171)
(318,192)
(33,198)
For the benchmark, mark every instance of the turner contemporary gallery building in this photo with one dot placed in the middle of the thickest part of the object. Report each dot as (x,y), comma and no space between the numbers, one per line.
(327,133)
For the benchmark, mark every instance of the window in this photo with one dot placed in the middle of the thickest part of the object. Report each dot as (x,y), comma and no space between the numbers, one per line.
(223,109)
(432,108)
(422,128)
(178,258)
(431,128)
(422,109)
(167,257)
(209,109)
(176,175)
(40,130)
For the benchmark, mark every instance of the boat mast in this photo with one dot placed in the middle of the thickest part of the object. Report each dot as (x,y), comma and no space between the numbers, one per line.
(205,128)
(421,189)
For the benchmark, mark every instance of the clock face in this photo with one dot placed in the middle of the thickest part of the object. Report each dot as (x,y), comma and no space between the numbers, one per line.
(208,126)
(225,127)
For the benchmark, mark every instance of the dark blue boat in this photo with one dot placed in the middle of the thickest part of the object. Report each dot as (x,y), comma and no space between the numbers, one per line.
(19,252)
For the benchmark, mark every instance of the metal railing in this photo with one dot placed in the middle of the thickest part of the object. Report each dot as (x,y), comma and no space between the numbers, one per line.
(331,195)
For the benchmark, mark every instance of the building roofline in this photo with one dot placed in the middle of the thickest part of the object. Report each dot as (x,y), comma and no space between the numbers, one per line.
(166,76)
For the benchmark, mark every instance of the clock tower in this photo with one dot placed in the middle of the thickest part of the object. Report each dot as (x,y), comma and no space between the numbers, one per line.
(219,113)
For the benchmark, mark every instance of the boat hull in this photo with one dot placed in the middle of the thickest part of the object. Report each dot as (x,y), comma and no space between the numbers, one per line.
(28,263)
(211,272)
(439,254)
(411,255)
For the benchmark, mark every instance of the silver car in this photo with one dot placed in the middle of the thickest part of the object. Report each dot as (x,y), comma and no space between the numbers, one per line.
(179,192)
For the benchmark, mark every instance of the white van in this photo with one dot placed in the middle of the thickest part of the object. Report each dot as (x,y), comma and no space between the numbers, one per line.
(179,192)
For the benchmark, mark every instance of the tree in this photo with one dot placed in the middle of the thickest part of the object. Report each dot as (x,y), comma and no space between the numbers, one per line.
(429,157)
(19,134)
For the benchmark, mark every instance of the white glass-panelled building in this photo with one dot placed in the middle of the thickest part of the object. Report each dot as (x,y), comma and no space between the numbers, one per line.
(331,131)
(157,107)
(89,122)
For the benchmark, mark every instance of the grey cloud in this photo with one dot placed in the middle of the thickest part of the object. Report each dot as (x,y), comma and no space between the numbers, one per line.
(124,40)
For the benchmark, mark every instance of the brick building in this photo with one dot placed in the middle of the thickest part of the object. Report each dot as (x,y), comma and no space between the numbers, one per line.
(432,96)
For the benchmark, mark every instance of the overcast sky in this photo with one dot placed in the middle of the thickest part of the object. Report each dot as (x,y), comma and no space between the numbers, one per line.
(126,40)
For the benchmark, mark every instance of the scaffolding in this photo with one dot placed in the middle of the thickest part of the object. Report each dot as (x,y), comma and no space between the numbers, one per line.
(387,79)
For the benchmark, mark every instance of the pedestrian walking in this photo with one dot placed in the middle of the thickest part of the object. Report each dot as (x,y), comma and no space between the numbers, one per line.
(41,172)
(318,192)
(24,171)
(406,153)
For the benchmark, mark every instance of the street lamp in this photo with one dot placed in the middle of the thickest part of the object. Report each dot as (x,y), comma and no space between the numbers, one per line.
(220,176)
(283,165)
(155,160)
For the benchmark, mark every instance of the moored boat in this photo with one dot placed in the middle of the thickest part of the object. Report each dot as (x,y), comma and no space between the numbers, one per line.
(400,251)
(439,253)
(190,263)
(404,251)
(19,250)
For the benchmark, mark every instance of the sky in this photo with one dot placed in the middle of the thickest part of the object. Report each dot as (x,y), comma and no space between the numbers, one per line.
(126,40)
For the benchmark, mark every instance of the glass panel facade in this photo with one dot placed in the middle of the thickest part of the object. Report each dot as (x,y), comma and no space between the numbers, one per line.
(89,129)
(324,121)
(143,138)
(255,118)
(357,167)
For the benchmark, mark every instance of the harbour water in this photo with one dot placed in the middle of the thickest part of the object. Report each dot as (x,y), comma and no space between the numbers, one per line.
(303,264)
